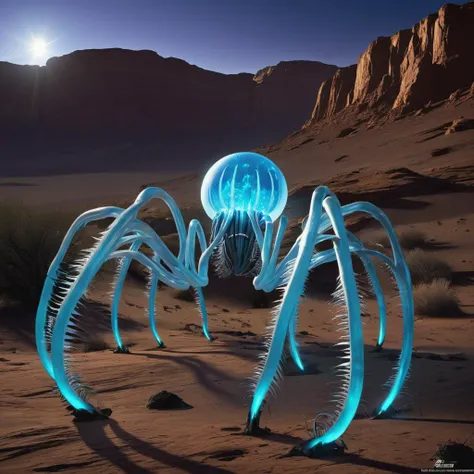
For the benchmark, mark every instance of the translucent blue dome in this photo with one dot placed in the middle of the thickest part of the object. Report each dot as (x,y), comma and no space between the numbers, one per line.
(244,181)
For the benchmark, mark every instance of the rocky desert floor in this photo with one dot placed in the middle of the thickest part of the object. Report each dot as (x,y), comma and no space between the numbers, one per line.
(395,167)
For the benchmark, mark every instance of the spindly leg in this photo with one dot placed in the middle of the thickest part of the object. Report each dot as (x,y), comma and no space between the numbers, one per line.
(68,318)
(402,368)
(354,367)
(203,311)
(377,289)
(270,372)
(123,267)
(153,288)
(401,273)
(292,342)
(49,304)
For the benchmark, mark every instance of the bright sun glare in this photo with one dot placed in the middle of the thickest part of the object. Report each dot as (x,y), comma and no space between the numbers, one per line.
(38,47)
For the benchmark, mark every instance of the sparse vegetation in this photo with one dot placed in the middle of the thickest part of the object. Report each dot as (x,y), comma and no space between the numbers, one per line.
(185,295)
(453,452)
(412,239)
(436,298)
(409,240)
(29,240)
(425,267)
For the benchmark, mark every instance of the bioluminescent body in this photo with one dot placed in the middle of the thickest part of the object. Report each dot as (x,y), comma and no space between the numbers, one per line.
(244,194)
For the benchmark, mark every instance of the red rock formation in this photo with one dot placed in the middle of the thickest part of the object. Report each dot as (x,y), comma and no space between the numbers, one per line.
(409,69)
(117,108)
(335,93)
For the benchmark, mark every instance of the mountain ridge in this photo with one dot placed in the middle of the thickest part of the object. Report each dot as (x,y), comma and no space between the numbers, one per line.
(398,74)
(97,110)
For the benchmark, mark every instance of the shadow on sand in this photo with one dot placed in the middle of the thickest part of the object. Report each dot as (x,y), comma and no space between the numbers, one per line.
(96,438)
(358,460)
(204,373)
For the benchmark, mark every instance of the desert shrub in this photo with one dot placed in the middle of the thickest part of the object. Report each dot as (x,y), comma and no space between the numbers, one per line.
(29,240)
(409,240)
(185,295)
(436,298)
(95,344)
(425,267)
(412,239)
(459,454)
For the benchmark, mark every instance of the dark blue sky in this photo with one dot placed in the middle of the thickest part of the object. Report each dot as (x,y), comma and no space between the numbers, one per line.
(222,35)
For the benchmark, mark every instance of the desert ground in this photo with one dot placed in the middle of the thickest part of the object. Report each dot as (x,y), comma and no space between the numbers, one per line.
(420,189)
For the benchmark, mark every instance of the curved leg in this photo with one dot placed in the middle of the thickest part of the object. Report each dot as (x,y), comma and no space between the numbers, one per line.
(295,355)
(270,371)
(66,322)
(402,368)
(151,309)
(377,289)
(402,276)
(354,367)
(68,384)
(203,311)
(124,266)
(49,303)
(375,282)
(318,259)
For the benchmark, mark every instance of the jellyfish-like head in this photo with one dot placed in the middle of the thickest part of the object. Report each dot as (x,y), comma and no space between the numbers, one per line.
(244,182)
(241,183)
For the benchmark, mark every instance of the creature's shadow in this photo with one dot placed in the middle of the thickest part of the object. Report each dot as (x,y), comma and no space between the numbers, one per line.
(95,437)
(357,460)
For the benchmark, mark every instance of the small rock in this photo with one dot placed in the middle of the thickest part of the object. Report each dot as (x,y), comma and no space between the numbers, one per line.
(441,151)
(191,327)
(167,401)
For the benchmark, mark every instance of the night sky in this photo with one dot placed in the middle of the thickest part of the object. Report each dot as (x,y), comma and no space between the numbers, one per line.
(222,35)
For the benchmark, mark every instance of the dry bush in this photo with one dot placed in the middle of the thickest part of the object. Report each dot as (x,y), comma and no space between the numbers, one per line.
(185,295)
(96,344)
(436,298)
(425,267)
(409,240)
(412,239)
(29,240)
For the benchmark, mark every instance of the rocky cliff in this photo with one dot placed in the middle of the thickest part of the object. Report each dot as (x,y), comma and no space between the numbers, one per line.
(408,70)
(101,110)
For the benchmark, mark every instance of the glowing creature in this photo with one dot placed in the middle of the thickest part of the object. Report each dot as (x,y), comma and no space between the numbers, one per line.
(244,194)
